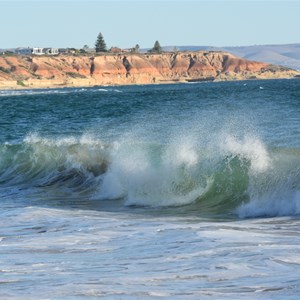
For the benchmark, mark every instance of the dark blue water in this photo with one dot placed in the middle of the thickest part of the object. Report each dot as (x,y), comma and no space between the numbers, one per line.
(81,110)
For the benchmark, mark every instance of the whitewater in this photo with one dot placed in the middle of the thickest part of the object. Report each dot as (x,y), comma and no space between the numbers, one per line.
(183,191)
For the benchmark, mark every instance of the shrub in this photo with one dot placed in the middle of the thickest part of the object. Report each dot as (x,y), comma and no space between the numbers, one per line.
(21,83)
(34,67)
(75,75)
(5,70)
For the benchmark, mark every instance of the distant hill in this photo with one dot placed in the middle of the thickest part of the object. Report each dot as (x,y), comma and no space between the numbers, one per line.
(285,55)
(188,48)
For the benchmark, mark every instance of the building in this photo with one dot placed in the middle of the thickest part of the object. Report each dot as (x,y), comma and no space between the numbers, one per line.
(115,50)
(51,51)
(38,51)
(23,51)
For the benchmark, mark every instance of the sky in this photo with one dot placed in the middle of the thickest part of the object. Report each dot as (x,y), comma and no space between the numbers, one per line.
(127,23)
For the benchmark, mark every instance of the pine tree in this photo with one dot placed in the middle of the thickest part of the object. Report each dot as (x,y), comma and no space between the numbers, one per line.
(156,48)
(100,45)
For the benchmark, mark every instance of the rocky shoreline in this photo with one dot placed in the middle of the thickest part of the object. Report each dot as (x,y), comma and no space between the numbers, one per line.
(29,72)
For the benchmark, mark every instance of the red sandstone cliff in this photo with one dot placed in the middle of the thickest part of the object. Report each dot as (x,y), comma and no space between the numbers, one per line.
(119,69)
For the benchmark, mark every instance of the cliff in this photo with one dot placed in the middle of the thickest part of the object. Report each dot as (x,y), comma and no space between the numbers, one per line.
(121,69)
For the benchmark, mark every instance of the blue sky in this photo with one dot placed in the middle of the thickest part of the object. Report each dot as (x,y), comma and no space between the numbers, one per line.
(127,23)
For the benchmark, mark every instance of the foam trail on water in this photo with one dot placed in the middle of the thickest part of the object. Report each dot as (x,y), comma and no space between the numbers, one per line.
(284,204)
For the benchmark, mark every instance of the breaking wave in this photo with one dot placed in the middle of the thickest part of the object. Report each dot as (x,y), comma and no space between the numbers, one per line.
(235,176)
(37,92)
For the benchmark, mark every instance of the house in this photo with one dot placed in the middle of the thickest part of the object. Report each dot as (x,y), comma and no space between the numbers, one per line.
(23,51)
(51,51)
(115,50)
(38,51)
(63,50)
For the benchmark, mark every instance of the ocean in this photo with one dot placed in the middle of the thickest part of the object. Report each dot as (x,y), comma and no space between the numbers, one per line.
(183,191)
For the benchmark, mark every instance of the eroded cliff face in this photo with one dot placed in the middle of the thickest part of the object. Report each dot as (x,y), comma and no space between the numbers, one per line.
(59,71)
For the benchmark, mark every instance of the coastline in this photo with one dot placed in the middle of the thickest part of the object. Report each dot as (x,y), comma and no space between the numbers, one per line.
(60,86)
(44,72)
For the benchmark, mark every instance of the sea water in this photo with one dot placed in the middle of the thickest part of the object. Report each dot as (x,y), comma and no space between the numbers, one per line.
(186,191)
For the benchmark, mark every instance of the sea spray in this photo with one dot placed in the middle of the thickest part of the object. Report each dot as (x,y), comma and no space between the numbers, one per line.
(275,192)
(250,148)
(151,175)
(179,173)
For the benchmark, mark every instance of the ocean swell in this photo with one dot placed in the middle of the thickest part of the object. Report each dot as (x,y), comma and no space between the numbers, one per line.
(238,176)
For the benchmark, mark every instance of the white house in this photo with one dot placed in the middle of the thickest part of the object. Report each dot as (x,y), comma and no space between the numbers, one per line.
(38,51)
(51,51)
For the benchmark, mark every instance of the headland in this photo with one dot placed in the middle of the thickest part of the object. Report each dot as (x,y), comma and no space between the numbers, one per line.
(28,72)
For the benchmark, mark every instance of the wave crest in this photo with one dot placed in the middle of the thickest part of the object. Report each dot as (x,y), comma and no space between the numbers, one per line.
(236,176)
